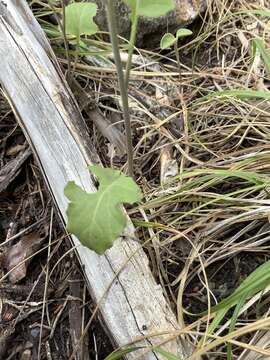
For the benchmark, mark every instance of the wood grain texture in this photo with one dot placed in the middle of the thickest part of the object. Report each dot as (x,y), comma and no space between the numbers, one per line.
(134,304)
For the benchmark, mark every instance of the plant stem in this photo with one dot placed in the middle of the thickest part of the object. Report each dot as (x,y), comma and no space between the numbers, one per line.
(123,90)
(62,25)
(63,28)
(178,58)
(134,24)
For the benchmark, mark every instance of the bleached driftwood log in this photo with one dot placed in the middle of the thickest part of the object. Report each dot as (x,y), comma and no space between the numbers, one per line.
(134,305)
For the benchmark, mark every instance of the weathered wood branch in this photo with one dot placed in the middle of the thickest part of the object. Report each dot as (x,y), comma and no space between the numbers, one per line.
(133,304)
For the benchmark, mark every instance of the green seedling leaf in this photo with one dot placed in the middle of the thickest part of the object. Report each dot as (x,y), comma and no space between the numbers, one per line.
(151,8)
(183,32)
(167,41)
(79,19)
(97,219)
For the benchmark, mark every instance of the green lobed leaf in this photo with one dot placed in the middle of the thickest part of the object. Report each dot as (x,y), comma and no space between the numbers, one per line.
(98,219)
(79,19)
(167,41)
(152,8)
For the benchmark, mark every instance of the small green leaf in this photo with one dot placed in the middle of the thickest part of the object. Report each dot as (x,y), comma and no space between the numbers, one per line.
(152,8)
(167,41)
(97,219)
(79,19)
(183,32)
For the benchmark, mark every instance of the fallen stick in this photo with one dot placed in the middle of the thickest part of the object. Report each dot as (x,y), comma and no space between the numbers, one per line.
(132,305)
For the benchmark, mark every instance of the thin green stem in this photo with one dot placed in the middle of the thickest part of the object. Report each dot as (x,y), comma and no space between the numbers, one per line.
(134,25)
(178,58)
(62,25)
(123,90)
(63,28)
